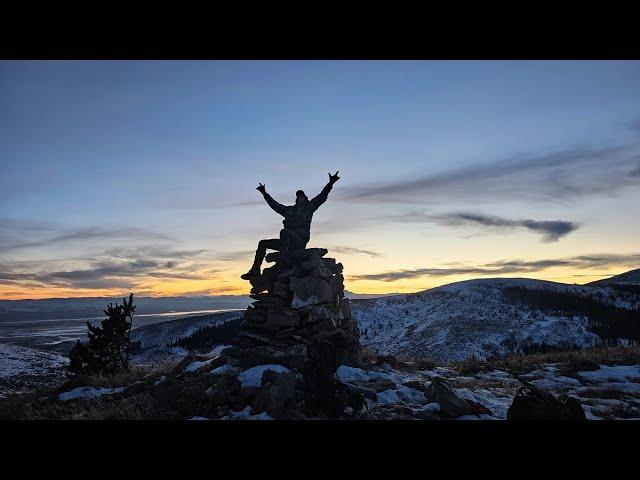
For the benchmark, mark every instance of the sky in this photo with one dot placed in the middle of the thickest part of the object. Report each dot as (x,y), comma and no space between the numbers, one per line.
(140,176)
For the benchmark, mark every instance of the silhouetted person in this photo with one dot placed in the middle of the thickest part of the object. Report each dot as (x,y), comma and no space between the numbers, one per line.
(297,224)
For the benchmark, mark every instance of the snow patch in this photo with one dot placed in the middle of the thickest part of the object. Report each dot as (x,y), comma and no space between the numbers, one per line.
(84,393)
(252,377)
(193,366)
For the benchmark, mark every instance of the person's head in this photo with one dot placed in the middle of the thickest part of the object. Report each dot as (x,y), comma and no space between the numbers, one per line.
(301,198)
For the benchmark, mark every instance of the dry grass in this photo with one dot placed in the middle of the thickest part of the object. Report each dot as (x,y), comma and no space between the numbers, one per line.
(620,411)
(369,356)
(41,404)
(470,366)
(608,393)
(136,407)
(572,360)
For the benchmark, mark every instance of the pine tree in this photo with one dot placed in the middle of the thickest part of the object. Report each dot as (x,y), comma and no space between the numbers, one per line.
(107,351)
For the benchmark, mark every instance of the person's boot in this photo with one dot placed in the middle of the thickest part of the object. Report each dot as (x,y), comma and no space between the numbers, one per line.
(253,273)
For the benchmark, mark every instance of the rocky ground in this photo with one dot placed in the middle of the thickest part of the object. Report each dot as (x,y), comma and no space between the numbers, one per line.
(24,369)
(605,382)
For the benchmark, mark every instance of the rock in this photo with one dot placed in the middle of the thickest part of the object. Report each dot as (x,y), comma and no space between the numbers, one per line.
(364,391)
(188,360)
(308,291)
(320,381)
(224,391)
(231,352)
(388,359)
(531,403)
(268,299)
(313,263)
(318,313)
(319,272)
(380,385)
(282,317)
(337,285)
(574,408)
(302,255)
(255,315)
(277,393)
(416,385)
(426,414)
(329,263)
(451,404)
(281,289)
(345,308)
(257,337)
(293,356)
(303,307)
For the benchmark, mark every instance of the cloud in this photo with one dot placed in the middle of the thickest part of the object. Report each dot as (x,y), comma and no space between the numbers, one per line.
(503,267)
(108,274)
(153,251)
(351,250)
(13,233)
(236,255)
(551,230)
(558,176)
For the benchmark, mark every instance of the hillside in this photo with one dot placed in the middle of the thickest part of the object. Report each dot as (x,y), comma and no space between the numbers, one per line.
(632,277)
(488,317)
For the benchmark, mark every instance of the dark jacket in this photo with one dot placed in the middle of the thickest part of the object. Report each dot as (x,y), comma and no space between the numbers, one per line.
(297,218)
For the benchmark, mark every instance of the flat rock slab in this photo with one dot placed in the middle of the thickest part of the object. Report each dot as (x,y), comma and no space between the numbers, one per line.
(310,291)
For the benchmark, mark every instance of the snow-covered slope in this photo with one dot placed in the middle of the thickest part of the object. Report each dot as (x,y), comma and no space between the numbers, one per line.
(23,369)
(632,277)
(475,318)
(155,338)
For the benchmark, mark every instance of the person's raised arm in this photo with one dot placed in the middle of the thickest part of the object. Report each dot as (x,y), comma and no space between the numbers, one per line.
(277,207)
(322,196)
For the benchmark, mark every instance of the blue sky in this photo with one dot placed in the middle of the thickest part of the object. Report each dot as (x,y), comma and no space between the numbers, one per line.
(106,164)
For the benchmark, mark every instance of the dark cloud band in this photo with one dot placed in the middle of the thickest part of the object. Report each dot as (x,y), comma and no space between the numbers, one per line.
(551,230)
(508,267)
(558,176)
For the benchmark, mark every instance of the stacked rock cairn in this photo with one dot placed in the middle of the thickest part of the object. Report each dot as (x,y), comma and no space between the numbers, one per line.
(299,303)
(301,319)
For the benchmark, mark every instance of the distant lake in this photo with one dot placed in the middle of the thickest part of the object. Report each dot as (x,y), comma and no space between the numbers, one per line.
(59,333)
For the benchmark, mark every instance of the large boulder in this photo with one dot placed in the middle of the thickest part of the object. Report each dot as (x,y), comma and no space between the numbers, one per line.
(451,404)
(531,403)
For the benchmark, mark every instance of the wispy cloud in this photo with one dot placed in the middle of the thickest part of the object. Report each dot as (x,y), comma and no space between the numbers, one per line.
(559,176)
(551,230)
(352,250)
(153,251)
(108,274)
(13,233)
(503,267)
(234,256)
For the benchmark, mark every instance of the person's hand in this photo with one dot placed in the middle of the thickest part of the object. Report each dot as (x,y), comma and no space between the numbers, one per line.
(261,188)
(334,178)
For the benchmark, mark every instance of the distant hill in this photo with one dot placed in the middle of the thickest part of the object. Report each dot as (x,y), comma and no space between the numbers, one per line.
(69,308)
(353,296)
(486,317)
(632,277)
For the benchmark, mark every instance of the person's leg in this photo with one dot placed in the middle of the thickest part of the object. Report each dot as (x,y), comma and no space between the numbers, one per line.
(263,245)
